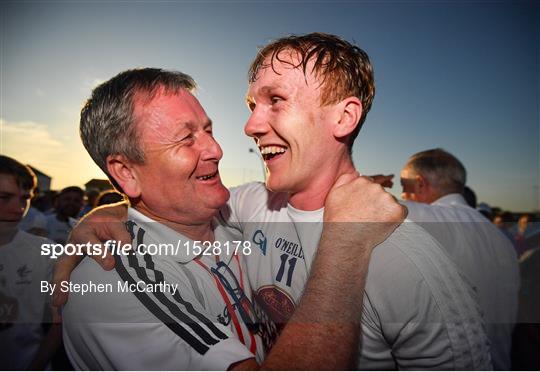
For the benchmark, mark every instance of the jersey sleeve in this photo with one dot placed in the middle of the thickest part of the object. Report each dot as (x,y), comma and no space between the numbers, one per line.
(146,331)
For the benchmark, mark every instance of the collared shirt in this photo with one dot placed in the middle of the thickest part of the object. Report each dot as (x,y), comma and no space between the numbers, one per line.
(203,324)
(484,256)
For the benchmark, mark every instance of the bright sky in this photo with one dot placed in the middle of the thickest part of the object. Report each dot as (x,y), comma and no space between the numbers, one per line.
(460,75)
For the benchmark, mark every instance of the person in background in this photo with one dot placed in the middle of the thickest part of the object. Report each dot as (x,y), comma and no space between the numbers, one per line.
(523,224)
(90,197)
(45,202)
(34,221)
(109,197)
(520,232)
(433,183)
(68,204)
(504,221)
(25,310)
(485,210)
(470,196)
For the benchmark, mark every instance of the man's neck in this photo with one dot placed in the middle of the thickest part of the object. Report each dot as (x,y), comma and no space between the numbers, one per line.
(314,196)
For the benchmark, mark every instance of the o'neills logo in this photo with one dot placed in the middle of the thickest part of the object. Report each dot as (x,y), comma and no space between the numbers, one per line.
(274,308)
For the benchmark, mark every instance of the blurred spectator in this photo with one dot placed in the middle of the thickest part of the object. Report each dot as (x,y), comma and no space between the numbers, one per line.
(91,197)
(520,233)
(504,221)
(485,210)
(470,196)
(24,307)
(523,222)
(34,222)
(45,202)
(109,197)
(68,204)
(435,180)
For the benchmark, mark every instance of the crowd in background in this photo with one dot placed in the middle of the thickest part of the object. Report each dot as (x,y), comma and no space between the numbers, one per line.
(53,214)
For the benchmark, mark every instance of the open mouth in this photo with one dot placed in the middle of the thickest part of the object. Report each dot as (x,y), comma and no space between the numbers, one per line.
(207,177)
(270,152)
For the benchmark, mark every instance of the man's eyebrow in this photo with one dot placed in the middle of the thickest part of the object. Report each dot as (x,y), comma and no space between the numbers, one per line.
(269,88)
(208,123)
(5,193)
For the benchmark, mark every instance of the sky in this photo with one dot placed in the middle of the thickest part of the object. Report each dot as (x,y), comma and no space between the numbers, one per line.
(461,75)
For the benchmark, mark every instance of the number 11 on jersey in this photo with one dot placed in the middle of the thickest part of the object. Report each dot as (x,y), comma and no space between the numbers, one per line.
(281,271)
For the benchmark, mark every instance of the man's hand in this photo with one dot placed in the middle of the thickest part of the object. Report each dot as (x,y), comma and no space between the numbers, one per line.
(102,224)
(363,210)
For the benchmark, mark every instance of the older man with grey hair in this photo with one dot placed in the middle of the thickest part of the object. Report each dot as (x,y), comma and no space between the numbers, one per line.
(433,183)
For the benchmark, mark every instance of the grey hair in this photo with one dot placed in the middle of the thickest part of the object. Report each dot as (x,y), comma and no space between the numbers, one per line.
(443,170)
(107,125)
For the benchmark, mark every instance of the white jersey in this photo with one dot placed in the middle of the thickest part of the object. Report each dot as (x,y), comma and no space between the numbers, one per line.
(23,307)
(485,256)
(418,313)
(205,323)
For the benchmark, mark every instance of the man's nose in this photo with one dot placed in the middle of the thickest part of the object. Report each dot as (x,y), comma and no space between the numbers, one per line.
(211,149)
(256,126)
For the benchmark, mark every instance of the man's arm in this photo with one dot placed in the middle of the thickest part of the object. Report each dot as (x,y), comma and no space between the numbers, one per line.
(324,330)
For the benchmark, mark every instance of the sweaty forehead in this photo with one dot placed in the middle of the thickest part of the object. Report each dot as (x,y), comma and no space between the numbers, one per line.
(283,71)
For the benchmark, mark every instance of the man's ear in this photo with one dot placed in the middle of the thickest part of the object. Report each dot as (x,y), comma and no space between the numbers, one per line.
(422,187)
(350,111)
(121,169)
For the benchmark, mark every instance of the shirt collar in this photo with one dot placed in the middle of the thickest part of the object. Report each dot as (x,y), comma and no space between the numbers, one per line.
(450,199)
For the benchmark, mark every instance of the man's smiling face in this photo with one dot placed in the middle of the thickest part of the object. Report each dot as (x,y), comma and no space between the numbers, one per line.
(179,179)
(288,124)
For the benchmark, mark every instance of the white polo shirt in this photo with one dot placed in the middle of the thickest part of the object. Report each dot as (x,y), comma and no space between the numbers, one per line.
(486,258)
(419,311)
(200,325)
